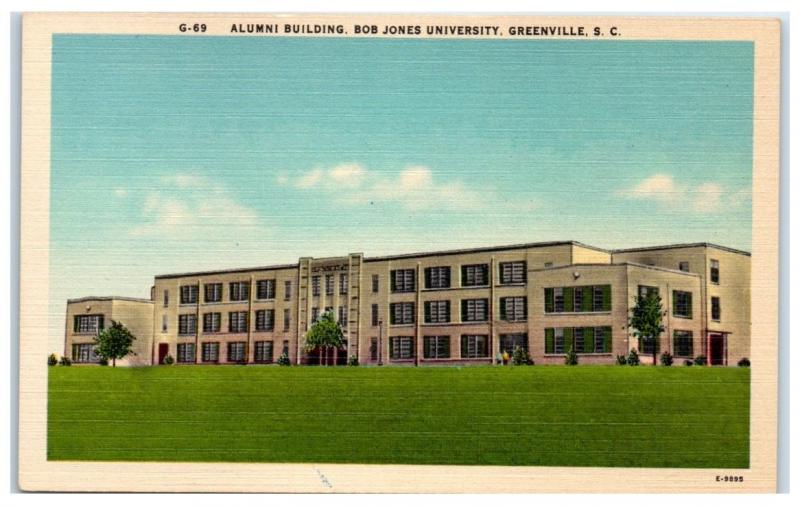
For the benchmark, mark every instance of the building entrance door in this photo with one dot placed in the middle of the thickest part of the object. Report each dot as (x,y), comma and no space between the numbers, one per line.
(716,349)
(163,351)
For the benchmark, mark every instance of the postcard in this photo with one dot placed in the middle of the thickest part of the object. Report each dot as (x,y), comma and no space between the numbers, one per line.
(398,253)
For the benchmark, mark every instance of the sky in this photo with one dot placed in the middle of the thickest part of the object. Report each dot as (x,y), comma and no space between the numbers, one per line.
(175,153)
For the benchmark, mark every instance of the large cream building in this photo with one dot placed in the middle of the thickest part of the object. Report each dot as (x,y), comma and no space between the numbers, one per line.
(459,306)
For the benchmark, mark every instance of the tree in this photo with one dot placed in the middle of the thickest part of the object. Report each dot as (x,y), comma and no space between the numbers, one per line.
(646,321)
(324,334)
(114,342)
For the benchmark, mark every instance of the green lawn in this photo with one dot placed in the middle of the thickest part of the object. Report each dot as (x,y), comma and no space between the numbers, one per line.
(544,416)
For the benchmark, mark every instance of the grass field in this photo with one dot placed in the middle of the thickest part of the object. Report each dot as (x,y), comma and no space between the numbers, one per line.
(554,416)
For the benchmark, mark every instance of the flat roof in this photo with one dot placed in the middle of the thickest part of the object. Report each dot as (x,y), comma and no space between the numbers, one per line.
(108,299)
(682,246)
(231,270)
(518,246)
(618,265)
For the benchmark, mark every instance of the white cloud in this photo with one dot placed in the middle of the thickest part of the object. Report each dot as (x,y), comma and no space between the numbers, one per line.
(414,188)
(708,197)
(188,206)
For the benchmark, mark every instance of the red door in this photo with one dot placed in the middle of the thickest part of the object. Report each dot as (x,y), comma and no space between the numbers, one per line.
(163,351)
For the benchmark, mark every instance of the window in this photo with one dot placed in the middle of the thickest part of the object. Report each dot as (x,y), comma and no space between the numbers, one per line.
(474,346)
(716,309)
(186,353)
(402,313)
(187,324)
(602,339)
(285,349)
(210,352)
(437,312)
(212,292)
(560,344)
(401,348)
(512,273)
(558,299)
(683,266)
(237,322)
(166,297)
(314,314)
(211,322)
(240,291)
(328,310)
(548,264)
(578,299)
(403,281)
(84,353)
(373,349)
(682,343)
(715,271)
(437,277)
(236,351)
(342,316)
(265,289)
(287,319)
(436,346)
(375,314)
(188,294)
(375,283)
(263,351)
(475,310)
(287,290)
(475,275)
(164,321)
(329,285)
(514,308)
(509,342)
(265,320)
(88,324)
(645,291)
(682,304)
(343,283)
(649,345)
(315,285)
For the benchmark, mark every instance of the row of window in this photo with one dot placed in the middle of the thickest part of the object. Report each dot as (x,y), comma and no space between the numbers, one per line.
(682,302)
(237,292)
(439,277)
(512,308)
(329,284)
(587,339)
(578,299)
(682,344)
(438,346)
(236,352)
(237,322)
(342,316)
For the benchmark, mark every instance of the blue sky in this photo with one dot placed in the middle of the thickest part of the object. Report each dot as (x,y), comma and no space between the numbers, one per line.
(183,153)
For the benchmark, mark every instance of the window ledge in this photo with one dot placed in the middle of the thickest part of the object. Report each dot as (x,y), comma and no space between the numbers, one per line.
(579,313)
(682,317)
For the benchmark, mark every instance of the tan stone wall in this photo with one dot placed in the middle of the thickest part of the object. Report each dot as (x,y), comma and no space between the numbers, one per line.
(174,308)
(137,316)
(581,254)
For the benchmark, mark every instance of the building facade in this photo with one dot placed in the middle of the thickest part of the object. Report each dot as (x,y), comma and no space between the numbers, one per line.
(450,307)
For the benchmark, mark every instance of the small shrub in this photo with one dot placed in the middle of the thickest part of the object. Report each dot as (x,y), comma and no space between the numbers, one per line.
(622,360)
(169,360)
(103,362)
(688,363)
(283,360)
(352,361)
(666,359)
(52,360)
(744,362)
(570,358)
(633,358)
(65,362)
(530,361)
(520,356)
(700,360)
